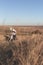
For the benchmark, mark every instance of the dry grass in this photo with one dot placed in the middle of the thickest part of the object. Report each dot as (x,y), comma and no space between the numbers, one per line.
(27,49)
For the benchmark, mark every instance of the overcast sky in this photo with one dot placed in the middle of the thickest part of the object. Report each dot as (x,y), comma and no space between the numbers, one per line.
(21,12)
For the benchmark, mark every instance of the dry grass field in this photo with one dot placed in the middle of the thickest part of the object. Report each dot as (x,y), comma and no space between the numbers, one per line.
(27,49)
